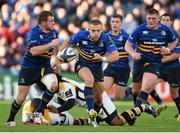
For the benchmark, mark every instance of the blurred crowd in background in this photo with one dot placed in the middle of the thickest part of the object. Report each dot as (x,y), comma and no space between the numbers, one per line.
(18,16)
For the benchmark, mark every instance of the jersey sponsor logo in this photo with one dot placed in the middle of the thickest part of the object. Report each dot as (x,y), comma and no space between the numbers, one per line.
(68,93)
(155,39)
(54,35)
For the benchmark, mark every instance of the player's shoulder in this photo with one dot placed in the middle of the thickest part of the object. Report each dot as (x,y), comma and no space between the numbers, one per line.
(83,33)
(123,32)
(164,27)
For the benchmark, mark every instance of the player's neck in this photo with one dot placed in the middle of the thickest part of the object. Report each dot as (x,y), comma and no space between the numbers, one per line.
(43,29)
(115,33)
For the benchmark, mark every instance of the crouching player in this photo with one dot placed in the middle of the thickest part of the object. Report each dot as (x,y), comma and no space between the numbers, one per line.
(49,118)
(72,93)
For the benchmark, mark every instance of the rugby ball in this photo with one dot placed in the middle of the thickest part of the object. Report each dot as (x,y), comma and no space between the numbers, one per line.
(67,54)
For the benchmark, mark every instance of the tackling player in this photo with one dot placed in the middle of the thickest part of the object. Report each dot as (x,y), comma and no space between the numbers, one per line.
(72,93)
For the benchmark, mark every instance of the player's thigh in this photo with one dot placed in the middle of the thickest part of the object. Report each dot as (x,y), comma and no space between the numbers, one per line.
(138,69)
(119,92)
(117,121)
(85,75)
(28,77)
(108,82)
(136,87)
(149,81)
(174,92)
(22,93)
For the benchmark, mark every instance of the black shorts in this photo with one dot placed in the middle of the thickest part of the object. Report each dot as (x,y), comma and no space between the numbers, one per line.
(31,76)
(120,74)
(171,75)
(97,72)
(139,67)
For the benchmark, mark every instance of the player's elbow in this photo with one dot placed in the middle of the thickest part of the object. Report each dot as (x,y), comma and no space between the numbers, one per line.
(34,52)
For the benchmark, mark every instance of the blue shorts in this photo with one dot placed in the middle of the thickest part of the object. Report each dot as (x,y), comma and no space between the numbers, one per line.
(140,67)
(97,72)
(120,74)
(171,75)
(31,76)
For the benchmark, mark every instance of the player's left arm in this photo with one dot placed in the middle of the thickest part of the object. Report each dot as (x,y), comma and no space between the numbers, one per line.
(171,57)
(110,46)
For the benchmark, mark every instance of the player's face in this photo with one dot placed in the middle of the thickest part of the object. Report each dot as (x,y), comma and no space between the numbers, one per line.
(116,24)
(152,21)
(166,20)
(49,23)
(95,32)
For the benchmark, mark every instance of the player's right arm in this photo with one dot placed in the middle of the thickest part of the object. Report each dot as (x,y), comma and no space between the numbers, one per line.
(171,57)
(34,46)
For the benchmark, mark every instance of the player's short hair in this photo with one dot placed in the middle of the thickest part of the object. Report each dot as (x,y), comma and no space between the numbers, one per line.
(117,16)
(166,15)
(95,21)
(35,103)
(152,11)
(43,16)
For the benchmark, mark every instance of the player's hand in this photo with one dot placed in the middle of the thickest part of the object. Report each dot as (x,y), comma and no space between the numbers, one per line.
(136,55)
(55,42)
(96,56)
(165,50)
(53,109)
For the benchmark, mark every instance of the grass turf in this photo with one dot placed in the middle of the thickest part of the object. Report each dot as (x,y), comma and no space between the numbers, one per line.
(145,123)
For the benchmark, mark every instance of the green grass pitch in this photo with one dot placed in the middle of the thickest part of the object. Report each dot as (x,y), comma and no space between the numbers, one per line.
(145,123)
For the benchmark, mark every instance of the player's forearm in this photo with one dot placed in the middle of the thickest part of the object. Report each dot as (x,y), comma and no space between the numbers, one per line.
(39,50)
(114,56)
(172,57)
(172,45)
(67,105)
(128,47)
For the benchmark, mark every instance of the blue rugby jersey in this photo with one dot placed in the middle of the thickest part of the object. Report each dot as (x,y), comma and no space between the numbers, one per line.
(87,47)
(175,50)
(119,41)
(149,42)
(36,38)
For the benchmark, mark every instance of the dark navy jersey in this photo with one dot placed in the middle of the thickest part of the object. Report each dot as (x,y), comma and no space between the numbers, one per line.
(38,38)
(119,41)
(87,47)
(176,34)
(149,42)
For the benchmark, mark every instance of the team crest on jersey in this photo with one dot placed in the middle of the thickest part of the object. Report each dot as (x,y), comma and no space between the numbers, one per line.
(84,42)
(120,38)
(163,32)
(41,37)
(145,32)
(54,35)
(101,44)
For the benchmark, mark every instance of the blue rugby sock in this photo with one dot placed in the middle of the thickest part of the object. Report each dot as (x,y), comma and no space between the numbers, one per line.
(141,98)
(14,109)
(47,96)
(128,91)
(177,102)
(89,96)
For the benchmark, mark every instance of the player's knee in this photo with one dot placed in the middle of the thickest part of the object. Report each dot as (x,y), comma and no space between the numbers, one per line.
(54,87)
(89,82)
(119,98)
(50,81)
(98,101)
(20,100)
